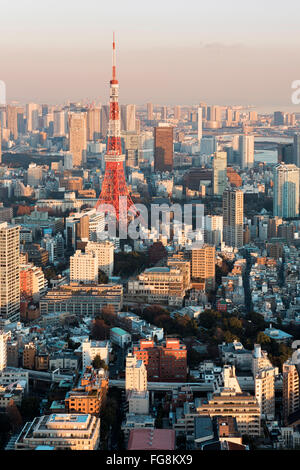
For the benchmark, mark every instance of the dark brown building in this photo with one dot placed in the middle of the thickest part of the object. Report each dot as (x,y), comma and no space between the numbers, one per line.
(167,363)
(163,148)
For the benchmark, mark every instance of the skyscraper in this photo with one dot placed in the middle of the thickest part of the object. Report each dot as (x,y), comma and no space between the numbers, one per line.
(286,190)
(278,118)
(199,127)
(9,272)
(150,111)
(32,115)
(296,151)
(58,123)
(104,120)
(219,173)
(233,217)
(78,138)
(164,113)
(130,119)
(12,120)
(163,148)
(246,150)
(93,123)
(177,112)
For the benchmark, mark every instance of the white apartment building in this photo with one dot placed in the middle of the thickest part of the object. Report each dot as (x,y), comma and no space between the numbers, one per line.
(105,253)
(135,374)
(84,268)
(9,272)
(91,349)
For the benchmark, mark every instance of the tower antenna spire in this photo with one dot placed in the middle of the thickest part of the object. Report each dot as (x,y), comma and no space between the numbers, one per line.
(114,58)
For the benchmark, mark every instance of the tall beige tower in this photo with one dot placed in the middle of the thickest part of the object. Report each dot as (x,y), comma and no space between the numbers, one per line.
(150,111)
(78,137)
(203,265)
(94,123)
(246,150)
(290,395)
(219,173)
(265,392)
(233,217)
(9,273)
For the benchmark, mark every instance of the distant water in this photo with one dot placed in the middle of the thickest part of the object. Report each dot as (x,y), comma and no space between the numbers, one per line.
(267,156)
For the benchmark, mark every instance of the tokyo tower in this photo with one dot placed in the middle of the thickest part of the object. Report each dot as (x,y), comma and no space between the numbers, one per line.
(114,183)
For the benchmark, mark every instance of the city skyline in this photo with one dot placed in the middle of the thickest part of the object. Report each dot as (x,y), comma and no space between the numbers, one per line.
(180,58)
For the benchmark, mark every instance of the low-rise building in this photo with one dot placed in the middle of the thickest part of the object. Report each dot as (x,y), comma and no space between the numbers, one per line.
(61,431)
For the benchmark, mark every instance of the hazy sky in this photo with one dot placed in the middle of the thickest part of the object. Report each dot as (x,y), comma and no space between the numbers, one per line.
(168,51)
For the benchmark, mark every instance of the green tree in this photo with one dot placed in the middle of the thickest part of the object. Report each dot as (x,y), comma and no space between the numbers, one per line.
(99,363)
(102,277)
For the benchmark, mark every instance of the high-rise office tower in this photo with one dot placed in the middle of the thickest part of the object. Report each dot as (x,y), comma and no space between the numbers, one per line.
(164,113)
(0,143)
(163,148)
(246,150)
(12,120)
(214,113)
(286,190)
(150,111)
(130,123)
(93,123)
(32,116)
(229,115)
(199,127)
(296,151)
(131,140)
(20,120)
(203,265)
(233,217)
(236,116)
(78,138)
(104,120)
(203,106)
(177,112)
(219,173)
(59,124)
(252,116)
(278,118)
(290,394)
(9,272)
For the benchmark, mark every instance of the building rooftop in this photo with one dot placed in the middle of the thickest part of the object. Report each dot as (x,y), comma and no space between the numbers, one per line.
(151,439)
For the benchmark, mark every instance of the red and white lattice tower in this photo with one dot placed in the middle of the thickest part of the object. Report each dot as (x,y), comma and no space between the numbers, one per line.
(114,183)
